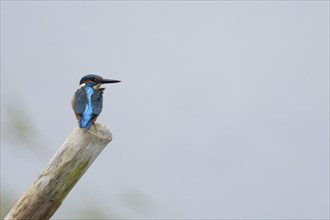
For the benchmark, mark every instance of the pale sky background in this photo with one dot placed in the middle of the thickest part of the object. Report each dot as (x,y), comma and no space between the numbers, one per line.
(223,109)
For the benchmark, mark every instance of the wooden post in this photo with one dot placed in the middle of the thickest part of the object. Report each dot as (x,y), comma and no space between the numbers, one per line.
(61,173)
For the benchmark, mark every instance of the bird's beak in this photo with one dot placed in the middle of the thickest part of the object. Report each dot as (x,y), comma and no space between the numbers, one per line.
(109,81)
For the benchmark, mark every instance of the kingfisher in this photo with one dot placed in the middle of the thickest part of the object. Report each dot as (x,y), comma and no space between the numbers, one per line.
(88,99)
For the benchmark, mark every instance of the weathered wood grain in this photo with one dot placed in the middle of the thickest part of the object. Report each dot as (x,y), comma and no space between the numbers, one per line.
(61,173)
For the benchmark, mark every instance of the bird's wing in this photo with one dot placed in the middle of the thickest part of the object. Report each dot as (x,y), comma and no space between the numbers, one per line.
(97,102)
(79,102)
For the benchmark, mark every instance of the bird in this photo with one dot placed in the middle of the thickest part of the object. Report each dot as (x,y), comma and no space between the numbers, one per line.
(88,99)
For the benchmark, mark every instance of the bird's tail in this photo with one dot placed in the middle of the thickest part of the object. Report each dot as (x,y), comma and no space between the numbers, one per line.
(85,123)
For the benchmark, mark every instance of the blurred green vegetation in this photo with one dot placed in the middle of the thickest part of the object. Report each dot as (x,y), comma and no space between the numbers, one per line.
(6,203)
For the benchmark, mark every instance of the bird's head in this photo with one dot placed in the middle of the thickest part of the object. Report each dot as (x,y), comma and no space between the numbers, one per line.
(95,81)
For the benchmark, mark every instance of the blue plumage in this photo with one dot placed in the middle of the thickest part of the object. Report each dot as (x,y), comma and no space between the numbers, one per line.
(88,99)
(86,119)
